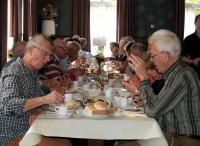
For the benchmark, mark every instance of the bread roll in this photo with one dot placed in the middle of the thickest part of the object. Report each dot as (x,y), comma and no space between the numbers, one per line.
(101,105)
(98,108)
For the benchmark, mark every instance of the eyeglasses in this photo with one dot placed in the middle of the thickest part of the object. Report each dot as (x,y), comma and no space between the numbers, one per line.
(154,55)
(45,52)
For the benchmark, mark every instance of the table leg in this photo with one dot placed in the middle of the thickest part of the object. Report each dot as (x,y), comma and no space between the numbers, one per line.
(95,142)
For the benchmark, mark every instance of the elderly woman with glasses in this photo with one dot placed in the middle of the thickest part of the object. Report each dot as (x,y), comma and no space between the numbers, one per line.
(132,85)
(76,61)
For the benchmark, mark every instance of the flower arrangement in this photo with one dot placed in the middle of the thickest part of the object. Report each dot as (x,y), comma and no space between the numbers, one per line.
(49,11)
(10,54)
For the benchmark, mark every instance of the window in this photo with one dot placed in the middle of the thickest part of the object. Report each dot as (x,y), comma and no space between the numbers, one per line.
(10,40)
(103,14)
(192,8)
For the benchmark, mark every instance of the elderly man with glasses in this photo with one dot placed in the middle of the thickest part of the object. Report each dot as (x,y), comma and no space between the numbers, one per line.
(21,97)
(52,69)
(177,106)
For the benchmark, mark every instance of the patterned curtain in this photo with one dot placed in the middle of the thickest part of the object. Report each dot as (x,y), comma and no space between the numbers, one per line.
(81,19)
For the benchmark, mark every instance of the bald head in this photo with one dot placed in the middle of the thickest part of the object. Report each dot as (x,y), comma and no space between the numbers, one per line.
(59,48)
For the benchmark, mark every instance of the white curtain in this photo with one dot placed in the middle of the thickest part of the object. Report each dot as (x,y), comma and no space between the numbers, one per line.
(189,21)
(103,24)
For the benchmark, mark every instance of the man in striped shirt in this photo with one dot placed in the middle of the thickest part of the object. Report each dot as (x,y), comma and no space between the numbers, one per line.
(52,69)
(177,106)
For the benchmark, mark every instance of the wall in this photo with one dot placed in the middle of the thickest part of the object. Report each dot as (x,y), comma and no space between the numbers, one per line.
(63,24)
(150,16)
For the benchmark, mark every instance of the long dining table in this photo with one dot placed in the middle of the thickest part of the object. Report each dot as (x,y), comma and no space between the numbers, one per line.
(141,128)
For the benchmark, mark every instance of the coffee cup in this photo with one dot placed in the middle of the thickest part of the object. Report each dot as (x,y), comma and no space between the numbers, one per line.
(68,97)
(126,77)
(61,110)
(108,92)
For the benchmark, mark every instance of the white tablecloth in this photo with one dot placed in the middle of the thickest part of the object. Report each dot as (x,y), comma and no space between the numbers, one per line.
(144,129)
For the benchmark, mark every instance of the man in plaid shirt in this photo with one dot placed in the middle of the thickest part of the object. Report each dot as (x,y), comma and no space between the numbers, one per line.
(21,98)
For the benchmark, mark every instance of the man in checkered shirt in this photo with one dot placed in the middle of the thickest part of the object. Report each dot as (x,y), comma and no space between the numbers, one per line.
(21,98)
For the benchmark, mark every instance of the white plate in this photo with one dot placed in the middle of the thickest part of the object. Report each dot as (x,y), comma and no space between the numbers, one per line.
(52,108)
(72,90)
(130,110)
(85,114)
(52,114)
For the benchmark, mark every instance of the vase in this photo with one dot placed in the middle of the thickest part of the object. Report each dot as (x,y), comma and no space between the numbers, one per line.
(48,27)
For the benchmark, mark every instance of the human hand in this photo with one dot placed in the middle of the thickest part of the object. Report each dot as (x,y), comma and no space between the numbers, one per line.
(131,87)
(75,72)
(139,66)
(55,97)
(196,61)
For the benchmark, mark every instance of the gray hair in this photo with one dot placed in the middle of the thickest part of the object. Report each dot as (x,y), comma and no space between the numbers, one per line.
(165,40)
(36,41)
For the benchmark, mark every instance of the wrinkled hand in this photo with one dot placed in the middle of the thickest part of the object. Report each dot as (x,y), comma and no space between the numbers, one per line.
(75,72)
(67,83)
(139,66)
(131,87)
(55,97)
(196,61)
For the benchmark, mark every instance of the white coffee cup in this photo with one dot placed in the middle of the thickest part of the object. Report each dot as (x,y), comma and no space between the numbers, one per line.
(68,97)
(108,92)
(61,110)
(126,77)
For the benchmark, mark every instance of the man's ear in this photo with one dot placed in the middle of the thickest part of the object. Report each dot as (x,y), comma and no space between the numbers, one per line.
(30,49)
(167,57)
